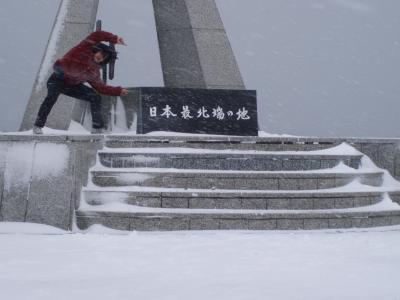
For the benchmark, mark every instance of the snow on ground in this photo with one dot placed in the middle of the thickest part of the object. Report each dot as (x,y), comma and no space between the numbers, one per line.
(342,149)
(28,228)
(351,264)
(116,203)
(77,129)
(353,187)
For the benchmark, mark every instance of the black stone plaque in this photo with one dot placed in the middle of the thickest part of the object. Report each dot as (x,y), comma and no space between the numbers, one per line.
(202,111)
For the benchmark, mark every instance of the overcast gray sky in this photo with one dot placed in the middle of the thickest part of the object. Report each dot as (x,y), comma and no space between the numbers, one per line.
(321,67)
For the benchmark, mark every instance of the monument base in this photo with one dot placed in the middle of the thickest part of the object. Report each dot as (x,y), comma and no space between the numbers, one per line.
(199,111)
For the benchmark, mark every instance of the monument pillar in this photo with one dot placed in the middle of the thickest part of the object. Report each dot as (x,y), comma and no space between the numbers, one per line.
(204,90)
(194,47)
(75,20)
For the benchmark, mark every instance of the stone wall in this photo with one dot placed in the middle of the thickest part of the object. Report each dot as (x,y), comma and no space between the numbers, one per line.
(384,152)
(41,177)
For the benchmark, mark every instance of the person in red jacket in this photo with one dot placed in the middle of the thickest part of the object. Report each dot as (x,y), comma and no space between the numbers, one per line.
(80,65)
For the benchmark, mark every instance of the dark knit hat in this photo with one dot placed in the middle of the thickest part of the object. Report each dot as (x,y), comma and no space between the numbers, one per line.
(108,51)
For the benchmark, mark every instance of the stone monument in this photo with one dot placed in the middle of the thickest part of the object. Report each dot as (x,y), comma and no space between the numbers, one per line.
(194,48)
(195,55)
(75,20)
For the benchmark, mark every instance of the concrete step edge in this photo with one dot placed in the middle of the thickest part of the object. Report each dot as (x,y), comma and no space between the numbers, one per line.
(241,193)
(223,173)
(243,215)
(235,201)
(249,154)
(146,222)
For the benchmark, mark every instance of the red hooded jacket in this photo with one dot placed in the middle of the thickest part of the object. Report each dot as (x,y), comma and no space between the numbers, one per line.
(79,66)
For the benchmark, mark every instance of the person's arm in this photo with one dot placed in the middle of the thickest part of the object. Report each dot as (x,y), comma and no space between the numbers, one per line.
(101,36)
(104,89)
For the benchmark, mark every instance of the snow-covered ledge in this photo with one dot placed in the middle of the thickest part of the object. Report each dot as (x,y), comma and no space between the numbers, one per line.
(41,176)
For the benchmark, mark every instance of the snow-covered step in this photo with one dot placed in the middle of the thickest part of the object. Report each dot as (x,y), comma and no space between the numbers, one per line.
(219,142)
(385,213)
(190,158)
(219,199)
(212,183)
(241,180)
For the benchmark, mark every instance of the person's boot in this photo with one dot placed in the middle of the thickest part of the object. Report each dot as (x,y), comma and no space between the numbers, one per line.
(37,130)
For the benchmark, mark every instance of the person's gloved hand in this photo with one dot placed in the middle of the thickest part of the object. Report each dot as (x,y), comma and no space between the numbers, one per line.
(121,41)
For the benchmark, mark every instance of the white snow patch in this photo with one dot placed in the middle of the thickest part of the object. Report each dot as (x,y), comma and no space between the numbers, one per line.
(43,160)
(389,181)
(18,166)
(386,204)
(339,169)
(101,230)
(342,149)
(236,265)
(134,178)
(28,228)
(76,128)
(107,197)
(266,134)
(50,159)
(353,187)
(171,133)
(118,117)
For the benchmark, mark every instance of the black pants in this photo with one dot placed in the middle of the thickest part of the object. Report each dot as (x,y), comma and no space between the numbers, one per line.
(57,86)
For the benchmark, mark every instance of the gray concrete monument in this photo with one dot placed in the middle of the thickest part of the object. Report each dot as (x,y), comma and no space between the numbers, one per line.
(75,20)
(194,48)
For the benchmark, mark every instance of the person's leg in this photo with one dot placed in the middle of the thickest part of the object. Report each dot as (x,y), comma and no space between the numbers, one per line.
(83,92)
(54,87)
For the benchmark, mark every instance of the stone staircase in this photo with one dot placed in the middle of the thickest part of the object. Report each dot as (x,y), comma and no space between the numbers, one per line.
(210,183)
